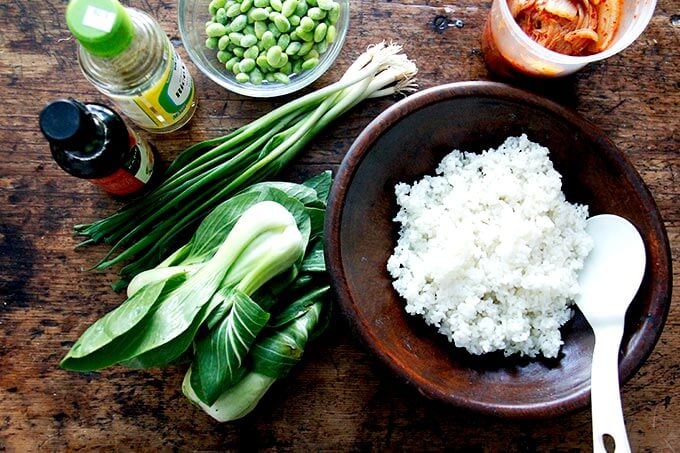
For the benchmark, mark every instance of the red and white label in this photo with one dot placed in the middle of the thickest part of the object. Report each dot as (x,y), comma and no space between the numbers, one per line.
(119,182)
(122,181)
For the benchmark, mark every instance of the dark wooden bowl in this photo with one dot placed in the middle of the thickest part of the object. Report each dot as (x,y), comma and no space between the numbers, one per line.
(406,142)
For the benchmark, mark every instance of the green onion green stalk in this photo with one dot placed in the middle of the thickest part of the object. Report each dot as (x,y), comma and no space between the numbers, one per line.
(209,172)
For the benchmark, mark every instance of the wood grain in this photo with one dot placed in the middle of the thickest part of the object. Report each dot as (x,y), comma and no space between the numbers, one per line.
(340,397)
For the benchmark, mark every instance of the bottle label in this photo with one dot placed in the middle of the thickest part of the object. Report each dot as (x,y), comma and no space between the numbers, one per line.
(119,182)
(135,172)
(142,149)
(166,102)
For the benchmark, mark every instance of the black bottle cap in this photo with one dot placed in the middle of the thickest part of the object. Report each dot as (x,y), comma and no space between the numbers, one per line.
(67,123)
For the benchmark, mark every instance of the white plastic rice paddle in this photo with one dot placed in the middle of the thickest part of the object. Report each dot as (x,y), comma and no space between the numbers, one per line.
(610,278)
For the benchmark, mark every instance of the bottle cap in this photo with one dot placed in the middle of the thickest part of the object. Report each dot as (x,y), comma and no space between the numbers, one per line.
(65,122)
(102,27)
(86,140)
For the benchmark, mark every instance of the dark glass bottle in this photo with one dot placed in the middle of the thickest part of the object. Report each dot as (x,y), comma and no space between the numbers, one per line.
(92,142)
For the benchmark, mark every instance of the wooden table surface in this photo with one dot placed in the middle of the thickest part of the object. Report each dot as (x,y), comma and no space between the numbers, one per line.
(340,397)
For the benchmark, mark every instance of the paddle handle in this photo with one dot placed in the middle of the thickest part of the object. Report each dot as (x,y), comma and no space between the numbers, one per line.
(605,396)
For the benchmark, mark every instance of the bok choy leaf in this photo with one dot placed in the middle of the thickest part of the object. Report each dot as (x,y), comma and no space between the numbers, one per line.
(219,355)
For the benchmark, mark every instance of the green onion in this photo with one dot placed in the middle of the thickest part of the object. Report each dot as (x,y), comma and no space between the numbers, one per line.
(211,171)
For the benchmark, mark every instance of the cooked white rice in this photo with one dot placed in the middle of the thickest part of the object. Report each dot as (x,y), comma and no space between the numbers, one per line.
(489,250)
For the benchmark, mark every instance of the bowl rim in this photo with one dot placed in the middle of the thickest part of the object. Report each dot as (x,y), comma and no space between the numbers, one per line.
(262,91)
(631,361)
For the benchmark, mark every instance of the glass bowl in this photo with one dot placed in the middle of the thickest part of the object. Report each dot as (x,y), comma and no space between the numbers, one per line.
(192,16)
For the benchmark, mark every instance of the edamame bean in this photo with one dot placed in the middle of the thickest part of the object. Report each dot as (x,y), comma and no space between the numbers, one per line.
(248,41)
(293,48)
(307,24)
(283,41)
(321,47)
(275,57)
(331,34)
(309,64)
(316,13)
(246,5)
(215,30)
(289,7)
(261,3)
(234,10)
(307,36)
(325,5)
(221,16)
(320,32)
(276,5)
(260,28)
(281,77)
(239,22)
(251,52)
(238,51)
(284,59)
(311,2)
(261,61)
(211,43)
(258,14)
(267,40)
(272,28)
(229,65)
(223,43)
(246,65)
(297,67)
(223,56)
(256,77)
(215,5)
(242,77)
(235,38)
(281,23)
(311,54)
(294,20)
(334,14)
(287,68)
(301,9)
(270,77)
(305,48)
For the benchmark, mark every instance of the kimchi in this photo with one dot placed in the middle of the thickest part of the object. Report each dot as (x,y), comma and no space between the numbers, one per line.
(571,27)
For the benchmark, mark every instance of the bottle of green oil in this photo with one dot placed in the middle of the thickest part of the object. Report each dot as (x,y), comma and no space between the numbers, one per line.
(126,55)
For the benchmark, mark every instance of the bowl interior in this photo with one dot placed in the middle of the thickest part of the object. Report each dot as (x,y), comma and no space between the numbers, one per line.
(192,16)
(407,142)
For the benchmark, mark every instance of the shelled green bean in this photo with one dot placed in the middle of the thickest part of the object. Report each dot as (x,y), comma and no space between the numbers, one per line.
(270,40)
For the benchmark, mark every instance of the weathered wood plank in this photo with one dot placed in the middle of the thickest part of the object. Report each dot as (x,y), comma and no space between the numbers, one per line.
(340,397)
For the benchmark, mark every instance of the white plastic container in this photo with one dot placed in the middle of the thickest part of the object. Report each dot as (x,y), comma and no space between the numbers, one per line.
(508,51)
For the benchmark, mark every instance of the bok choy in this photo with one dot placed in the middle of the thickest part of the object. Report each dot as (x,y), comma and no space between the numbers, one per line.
(239,301)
